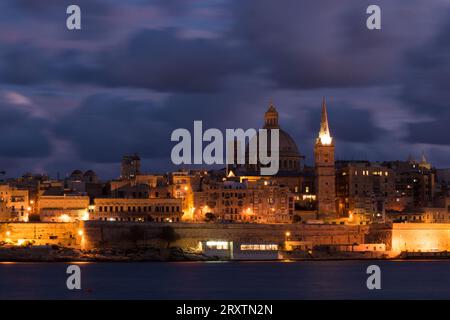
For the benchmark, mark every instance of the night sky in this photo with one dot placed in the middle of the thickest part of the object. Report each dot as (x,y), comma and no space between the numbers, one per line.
(140,69)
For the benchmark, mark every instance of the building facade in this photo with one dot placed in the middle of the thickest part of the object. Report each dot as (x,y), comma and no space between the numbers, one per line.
(15,203)
(63,208)
(244,201)
(130,166)
(150,209)
(364,190)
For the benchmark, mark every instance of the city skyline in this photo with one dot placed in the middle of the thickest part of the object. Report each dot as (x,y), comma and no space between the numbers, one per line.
(135,72)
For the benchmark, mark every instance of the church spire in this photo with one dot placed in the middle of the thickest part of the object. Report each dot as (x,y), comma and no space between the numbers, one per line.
(424,159)
(324,133)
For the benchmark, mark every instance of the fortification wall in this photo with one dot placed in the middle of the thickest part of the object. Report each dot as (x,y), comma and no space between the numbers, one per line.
(380,233)
(106,234)
(63,234)
(420,237)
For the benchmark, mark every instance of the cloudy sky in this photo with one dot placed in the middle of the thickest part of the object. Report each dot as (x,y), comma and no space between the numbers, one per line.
(140,69)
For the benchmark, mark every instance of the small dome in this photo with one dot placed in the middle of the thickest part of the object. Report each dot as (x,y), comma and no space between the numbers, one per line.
(76,173)
(89,173)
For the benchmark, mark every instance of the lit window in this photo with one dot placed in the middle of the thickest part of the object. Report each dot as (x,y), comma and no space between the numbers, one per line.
(217,245)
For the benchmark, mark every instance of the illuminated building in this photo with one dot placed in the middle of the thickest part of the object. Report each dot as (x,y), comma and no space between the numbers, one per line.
(183,184)
(325,170)
(364,190)
(63,208)
(414,183)
(254,201)
(135,209)
(15,203)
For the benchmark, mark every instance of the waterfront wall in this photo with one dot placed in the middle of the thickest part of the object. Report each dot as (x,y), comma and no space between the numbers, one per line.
(63,234)
(105,234)
(423,237)
(119,235)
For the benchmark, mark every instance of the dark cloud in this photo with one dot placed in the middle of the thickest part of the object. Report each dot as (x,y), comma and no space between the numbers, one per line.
(348,124)
(316,44)
(160,60)
(222,72)
(105,127)
(431,132)
(153,59)
(21,64)
(425,87)
(21,135)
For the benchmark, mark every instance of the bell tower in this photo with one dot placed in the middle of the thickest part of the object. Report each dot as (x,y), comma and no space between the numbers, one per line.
(324,168)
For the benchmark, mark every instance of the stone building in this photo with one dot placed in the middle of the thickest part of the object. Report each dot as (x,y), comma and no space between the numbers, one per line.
(414,183)
(15,203)
(135,209)
(80,182)
(292,171)
(325,170)
(63,208)
(183,184)
(130,166)
(253,201)
(140,186)
(364,190)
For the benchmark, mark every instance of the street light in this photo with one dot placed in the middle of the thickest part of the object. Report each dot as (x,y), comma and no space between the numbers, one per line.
(287,234)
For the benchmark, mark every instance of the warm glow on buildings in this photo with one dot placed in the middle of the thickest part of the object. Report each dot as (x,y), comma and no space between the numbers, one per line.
(64,218)
(325,139)
(423,237)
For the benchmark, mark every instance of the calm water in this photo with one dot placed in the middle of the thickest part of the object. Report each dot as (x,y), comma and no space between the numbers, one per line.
(228,280)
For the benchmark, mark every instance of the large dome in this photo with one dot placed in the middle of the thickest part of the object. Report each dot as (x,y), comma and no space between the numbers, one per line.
(288,147)
(289,155)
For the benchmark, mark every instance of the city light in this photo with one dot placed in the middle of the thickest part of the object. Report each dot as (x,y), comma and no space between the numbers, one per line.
(85,216)
(80,233)
(64,218)
(325,139)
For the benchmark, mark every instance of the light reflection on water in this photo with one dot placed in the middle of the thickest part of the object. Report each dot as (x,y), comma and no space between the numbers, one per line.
(228,280)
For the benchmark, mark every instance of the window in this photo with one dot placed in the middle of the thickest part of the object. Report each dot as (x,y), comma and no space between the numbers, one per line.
(259,247)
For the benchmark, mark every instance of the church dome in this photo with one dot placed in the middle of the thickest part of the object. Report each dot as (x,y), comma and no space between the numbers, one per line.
(288,147)
(289,155)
